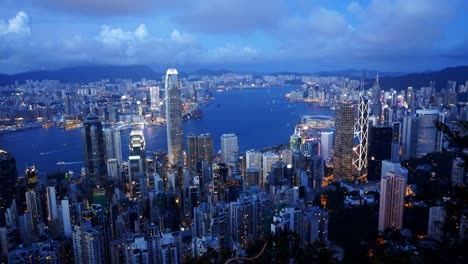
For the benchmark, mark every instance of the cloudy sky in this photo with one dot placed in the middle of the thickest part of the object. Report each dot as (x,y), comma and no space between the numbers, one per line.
(241,35)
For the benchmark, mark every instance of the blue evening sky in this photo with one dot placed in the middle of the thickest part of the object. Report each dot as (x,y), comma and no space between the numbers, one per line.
(241,35)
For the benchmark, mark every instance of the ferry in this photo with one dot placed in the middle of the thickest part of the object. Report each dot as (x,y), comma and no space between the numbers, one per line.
(71,126)
(47,125)
(61,163)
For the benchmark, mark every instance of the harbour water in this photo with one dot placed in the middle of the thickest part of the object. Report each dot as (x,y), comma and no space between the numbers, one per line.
(259,117)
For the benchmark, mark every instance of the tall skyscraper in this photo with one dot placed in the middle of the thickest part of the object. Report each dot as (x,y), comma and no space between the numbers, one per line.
(429,138)
(326,144)
(380,139)
(396,141)
(94,148)
(436,222)
(136,160)
(199,148)
(409,136)
(88,245)
(392,195)
(229,147)
(253,159)
(8,179)
(154,96)
(113,145)
(343,144)
(52,211)
(362,132)
(173,116)
(268,159)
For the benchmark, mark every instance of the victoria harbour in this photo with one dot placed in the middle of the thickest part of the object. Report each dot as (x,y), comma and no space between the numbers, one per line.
(260,117)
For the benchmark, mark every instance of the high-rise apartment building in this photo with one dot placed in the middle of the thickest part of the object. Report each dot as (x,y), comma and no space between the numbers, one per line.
(94,148)
(173,116)
(343,144)
(392,195)
(229,147)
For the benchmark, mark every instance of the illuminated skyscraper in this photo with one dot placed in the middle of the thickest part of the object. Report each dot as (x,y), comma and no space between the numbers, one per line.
(113,145)
(362,133)
(392,195)
(199,148)
(229,147)
(429,138)
(343,144)
(94,148)
(253,159)
(326,144)
(136,160)
(173,116)
(154,96)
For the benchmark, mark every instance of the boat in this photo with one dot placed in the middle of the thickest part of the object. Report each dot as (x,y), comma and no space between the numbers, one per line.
(47,125)
(61,163)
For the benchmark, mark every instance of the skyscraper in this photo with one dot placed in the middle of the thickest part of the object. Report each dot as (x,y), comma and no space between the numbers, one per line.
(94,148)
(409,136)
(326,144)
(268,159)
(380,139)
(8,179)
(199,148)
(154,96)
(396,141)
(113,145)
(173,116)
(253,159)
(392,195)
(343,144)
(136,160)
(429,138)
(229,147)
(362,131)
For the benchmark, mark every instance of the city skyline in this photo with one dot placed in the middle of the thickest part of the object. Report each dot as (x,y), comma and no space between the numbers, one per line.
(398,36)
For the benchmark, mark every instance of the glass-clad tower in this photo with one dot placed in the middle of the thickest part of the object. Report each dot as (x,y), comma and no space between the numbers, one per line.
(173,116)
(94,148)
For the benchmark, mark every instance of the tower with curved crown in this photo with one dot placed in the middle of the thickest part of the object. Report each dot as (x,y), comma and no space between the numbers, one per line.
(173,116)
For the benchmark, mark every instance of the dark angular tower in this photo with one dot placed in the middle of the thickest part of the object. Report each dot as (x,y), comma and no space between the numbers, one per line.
(94,148)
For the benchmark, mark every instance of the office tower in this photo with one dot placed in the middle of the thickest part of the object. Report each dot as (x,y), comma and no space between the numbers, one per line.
(436,222)
(396,141)
(253,159)
(220,173)
(87,244)
(429,138)
(32,206)
(409,137)
(66,219)
(392,195)
(154,96)
(463,233)
(376,106)
(136,161)
(268,159)
(380,140)
(410,97)
(31,177)
(229,147)
(173,116)
(113,145)
(362,132)
(52,212)
(343,144)
(286,156)
(8,179)
(458,172)
(94,148)
(252,177)
(113,169)
(326,144)
(199,148)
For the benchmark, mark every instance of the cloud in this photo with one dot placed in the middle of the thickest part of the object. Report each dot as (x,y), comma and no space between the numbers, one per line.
(101,6)
(231,16)
(16,25)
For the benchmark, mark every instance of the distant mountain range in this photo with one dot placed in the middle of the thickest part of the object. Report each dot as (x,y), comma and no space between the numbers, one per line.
(85,74)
